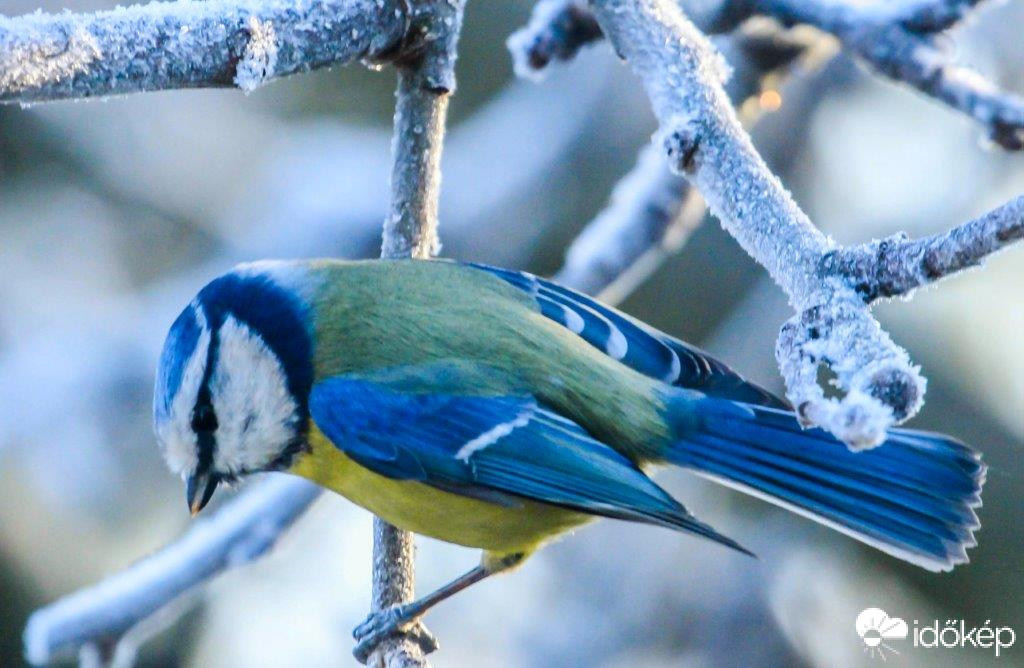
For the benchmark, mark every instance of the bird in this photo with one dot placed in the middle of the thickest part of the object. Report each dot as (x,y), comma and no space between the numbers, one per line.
(497,410)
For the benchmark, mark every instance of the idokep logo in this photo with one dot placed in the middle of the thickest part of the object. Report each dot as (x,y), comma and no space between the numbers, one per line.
(956,633)
(876,628)
(880,632)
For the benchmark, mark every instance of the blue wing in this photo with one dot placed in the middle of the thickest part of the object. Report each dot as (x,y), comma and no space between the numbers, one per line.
(635,344)
(495,448)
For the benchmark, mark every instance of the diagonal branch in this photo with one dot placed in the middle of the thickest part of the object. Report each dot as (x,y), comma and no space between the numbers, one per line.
(651,213)
(703,138)
(898,40)
(189,44)
(684,75)
(653,210)
(238,533)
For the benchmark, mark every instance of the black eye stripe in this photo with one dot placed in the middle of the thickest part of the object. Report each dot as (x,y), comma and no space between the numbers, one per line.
(204,418)
(204,424)
(270,312)
(206,443)
(277,319)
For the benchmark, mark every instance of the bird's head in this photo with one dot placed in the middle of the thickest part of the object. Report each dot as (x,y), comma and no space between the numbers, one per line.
(234,378)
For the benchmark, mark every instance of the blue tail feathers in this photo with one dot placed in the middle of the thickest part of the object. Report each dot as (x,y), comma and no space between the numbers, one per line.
(912,497)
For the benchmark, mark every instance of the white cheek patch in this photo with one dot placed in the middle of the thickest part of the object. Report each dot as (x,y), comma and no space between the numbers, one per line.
(257,416)
(175,435)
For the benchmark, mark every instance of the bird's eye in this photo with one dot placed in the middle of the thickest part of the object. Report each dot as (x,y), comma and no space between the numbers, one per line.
(204,419)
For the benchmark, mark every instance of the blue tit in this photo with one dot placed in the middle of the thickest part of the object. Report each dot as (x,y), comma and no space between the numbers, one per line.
(496,410)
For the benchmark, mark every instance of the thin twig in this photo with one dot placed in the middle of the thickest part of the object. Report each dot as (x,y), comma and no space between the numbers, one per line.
(189,44)
(424,88)
(897,266)
(394,583)
(898,40)
(425,84)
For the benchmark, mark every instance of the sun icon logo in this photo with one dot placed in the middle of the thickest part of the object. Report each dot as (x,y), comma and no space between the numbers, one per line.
(875,626)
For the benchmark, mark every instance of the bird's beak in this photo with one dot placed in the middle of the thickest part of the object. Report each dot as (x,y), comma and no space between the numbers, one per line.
(199,487)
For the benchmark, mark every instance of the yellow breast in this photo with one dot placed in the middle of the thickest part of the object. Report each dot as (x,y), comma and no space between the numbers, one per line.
(432,512)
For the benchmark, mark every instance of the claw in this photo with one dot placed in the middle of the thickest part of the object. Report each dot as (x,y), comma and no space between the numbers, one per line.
(393,621)
(422,636)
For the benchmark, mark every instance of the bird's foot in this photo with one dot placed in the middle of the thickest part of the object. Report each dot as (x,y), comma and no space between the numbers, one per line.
(393,621)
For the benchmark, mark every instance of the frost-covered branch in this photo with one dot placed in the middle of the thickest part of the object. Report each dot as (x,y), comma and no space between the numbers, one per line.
(189,44)
(653,210)
(897,266)
(683,75)
(899,40)
(651,213)
(558,29)
(425,84)
(239,532)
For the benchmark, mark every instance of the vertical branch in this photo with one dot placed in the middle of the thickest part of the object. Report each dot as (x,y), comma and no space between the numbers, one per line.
(394,583)
(410,230)
(425,82)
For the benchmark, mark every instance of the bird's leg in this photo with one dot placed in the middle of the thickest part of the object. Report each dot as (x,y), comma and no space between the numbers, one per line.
(400,617)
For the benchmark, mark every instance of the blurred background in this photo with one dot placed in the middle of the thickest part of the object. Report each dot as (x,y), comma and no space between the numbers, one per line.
(113,213)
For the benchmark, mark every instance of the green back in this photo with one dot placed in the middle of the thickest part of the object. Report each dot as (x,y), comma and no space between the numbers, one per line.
(435,326)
